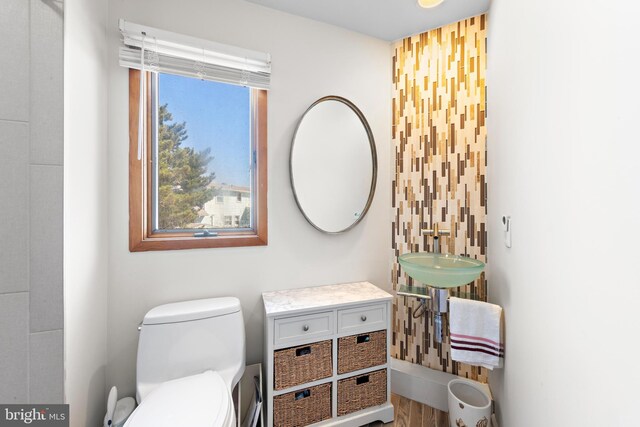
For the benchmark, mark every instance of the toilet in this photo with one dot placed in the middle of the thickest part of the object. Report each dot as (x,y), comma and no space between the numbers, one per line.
(191,355)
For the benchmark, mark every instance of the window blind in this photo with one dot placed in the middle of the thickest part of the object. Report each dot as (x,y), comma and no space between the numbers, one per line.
(151,49)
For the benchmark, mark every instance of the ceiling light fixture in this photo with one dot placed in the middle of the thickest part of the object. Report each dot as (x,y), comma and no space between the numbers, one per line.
(429,3)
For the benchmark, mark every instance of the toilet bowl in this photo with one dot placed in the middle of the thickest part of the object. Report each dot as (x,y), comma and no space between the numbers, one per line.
(190,357)
(196,400)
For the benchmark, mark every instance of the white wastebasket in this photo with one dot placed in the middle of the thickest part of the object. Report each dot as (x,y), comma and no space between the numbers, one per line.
(469,404)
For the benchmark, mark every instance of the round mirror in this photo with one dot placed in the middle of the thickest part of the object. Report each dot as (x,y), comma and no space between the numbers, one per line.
(333,165)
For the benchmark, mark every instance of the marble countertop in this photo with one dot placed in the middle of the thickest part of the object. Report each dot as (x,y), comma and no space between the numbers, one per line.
(303,299)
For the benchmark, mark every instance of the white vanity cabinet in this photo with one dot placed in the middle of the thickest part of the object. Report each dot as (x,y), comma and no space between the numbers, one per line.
(326,355)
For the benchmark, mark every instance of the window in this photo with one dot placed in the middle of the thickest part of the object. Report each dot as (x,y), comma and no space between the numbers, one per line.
(205,141)
(197,135)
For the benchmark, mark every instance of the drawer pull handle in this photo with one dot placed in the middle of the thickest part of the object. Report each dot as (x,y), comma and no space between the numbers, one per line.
(305,328)
(303,394)
(363,318)
(363,338)
(362,380)
(303,351)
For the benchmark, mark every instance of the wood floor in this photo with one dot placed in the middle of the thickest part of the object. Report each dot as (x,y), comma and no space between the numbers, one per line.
(409,413)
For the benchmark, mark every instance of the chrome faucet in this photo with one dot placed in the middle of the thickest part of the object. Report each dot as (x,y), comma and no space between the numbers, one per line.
(436,233)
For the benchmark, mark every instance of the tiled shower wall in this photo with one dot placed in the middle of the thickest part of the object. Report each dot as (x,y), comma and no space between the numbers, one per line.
(31,148)
(439,138)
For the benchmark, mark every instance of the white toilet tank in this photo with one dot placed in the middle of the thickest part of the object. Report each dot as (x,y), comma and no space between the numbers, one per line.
(188,338)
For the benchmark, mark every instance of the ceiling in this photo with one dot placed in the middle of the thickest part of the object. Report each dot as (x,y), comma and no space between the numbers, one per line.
(384,19)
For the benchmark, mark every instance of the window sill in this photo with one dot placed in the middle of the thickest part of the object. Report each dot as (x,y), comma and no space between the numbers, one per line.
(173,243)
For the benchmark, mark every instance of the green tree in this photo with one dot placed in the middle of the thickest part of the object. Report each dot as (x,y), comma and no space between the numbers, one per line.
(183,178)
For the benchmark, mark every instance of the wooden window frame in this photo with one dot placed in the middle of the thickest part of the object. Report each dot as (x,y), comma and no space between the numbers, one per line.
(141,235)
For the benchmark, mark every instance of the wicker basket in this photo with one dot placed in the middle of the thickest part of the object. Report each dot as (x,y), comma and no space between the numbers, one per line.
(362,391)
(303,364)
(302,407)
(362,351)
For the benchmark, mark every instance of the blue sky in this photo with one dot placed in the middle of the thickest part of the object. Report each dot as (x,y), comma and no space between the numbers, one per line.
(217,116)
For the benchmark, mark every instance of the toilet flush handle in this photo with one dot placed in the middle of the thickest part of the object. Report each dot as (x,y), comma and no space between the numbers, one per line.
(305,328)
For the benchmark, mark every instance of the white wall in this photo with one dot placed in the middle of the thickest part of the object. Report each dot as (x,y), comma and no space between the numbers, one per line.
(310,60)
(85,213)
(563,157)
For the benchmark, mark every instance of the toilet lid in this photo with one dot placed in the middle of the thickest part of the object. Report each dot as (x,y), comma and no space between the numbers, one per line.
(201,400)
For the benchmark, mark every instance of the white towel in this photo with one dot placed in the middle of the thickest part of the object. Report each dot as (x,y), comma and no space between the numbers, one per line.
(475,331)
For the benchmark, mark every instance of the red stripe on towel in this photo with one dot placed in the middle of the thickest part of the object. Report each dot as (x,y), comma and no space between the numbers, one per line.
(490,347)
(477,338)
(481,350)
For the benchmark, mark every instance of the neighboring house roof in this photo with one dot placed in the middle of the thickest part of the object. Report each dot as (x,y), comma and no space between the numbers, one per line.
(229,187)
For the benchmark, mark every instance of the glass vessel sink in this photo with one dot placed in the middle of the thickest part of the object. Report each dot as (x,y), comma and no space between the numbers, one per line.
(441,270)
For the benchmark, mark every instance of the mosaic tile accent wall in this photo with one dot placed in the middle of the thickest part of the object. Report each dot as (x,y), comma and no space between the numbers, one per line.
(439,138)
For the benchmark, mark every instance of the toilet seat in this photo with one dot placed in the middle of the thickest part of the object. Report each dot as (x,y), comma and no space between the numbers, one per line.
(202,400)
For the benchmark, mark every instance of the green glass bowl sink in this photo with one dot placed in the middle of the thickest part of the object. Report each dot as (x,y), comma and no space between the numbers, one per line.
(441,270)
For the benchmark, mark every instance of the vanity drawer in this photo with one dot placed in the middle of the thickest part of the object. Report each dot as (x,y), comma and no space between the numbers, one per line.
(362,351)
(302,364)
(303,328)
(362,319)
